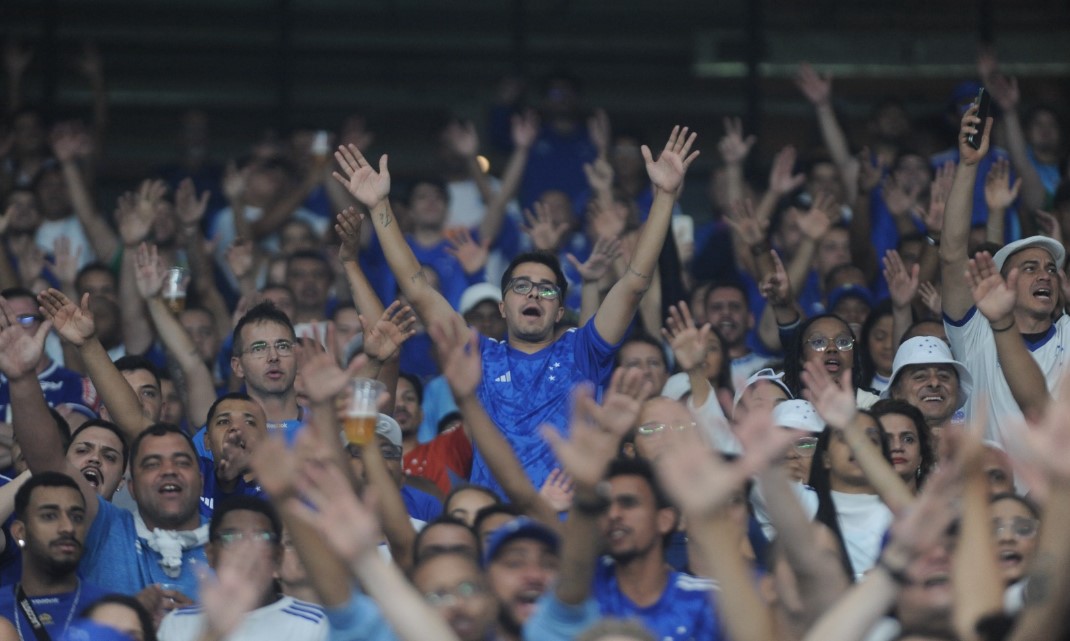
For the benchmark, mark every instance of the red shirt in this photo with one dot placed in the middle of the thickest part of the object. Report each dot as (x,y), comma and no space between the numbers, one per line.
(444,461)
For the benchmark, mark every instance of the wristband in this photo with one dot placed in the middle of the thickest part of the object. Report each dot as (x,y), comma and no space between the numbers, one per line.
(935,242)
(1001,329)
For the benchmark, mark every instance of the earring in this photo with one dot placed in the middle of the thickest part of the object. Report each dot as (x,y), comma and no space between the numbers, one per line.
(21,543)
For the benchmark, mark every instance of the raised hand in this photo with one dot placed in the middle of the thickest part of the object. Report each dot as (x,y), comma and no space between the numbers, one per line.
(321,379)
(458,350)
(471,255)
(734,147)
(781,179)
(1004,90)
(383,338)
(137,212)
(361,180)
(596,432)
(230,593)
(667,173)
(348,229)
(557,490)
(898,200)
(524,129)
(816,88)
(240,257)
(745,222)
(599,129)
(235,181)
(71,142)
(150,272)
(544,233)
(64,262)
(931,298)
(328,504)
(939,190)
(700,481)
(73,323)
(605,251)
(834,401)
(605,222)
(776,287)
(817,222)
(972,124)
(993,296)
(188,207)
(20,351)
(1049,225)
(689,344)
(902,282)
(599,175)
(999,192)
(462,138)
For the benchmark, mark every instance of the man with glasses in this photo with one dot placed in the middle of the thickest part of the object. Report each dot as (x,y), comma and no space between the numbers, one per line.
(59,384)
(264,360)
(528,378)
(250,528)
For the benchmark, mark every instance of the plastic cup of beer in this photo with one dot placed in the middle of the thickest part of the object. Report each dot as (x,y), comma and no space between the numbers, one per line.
(362,410)
(173,292)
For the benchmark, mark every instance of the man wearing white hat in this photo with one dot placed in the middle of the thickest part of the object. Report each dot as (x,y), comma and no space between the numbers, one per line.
(1036,262)
(925,374)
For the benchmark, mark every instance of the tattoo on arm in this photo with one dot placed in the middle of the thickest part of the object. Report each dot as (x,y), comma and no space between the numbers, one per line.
(384,216)
(635,273)
(418,276)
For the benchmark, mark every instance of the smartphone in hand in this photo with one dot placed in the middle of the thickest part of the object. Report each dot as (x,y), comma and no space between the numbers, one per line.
(984,110)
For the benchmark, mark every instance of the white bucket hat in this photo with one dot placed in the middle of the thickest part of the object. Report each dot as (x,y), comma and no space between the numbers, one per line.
(929,350)
(1052,246)
(798,414)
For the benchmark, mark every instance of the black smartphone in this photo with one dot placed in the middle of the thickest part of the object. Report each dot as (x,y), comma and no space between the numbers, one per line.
(984,109)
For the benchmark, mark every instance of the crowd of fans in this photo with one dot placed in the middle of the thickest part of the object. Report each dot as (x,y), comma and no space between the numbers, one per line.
(834,412)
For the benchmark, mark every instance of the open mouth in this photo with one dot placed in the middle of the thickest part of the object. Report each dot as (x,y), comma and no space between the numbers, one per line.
(1043,293)
(932,398)
(93,476)
(833,364)
(170,489)
(531,311)
(1009,558)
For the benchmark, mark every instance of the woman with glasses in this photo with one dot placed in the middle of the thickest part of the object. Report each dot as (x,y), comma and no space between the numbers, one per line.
(826,341)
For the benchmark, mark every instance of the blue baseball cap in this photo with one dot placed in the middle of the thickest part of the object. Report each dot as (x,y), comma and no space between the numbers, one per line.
(520,528)
(848,291)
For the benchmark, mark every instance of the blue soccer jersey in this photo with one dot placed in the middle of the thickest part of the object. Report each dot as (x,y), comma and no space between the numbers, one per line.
(522,391)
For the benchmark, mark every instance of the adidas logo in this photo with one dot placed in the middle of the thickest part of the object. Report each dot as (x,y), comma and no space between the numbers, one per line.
(505,378)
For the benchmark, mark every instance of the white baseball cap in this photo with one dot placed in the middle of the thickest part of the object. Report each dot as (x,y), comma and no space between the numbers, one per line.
(476,294)
(765,374)
(929,350)
(798,414)
(1052,246)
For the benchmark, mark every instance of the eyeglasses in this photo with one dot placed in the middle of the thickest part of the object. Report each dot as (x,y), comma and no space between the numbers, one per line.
(650,429)
(1020,527)
(820,343)
(231,537)
(388,452)
(547,291)
(462,592)
(29,319)
(805,446)
(259,349)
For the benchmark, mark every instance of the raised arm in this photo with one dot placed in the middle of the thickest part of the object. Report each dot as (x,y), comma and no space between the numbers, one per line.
(135,216)
(189,211)
(32,422)
(835,402)
(458,348)
(902,288)
(75,325)
(372,189)
(525,128)
(199,386)
(955,291)
(72,145)
(594,272)
(690,345)
(996,299)
(666,175)
(818,90)
(594,440)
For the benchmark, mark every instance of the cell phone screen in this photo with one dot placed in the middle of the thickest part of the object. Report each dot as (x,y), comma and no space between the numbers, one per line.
(984,109)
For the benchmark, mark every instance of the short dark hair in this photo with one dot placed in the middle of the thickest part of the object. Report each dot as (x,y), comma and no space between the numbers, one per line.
(639,336)
(249,504)
(473,487)
(417,386)
(444,520)
(434,181)
(542,258)
(728,284)
(642,468)
(100,423)
(133,363)
(95,266)
(307,254)
(44,479)
(232,396)
(489,511)
(157,430)
(148,628)
(264,312)
(17,292)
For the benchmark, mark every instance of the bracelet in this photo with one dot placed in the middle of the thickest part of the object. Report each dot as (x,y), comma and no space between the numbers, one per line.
(935,242)
(899,576)
(1001,329)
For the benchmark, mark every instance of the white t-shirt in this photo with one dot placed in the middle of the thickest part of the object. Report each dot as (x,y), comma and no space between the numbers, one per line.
(286,618)
(972,344)
(71,228)
(863,519)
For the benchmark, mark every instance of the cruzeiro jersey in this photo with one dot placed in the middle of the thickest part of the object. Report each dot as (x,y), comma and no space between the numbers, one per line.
(286,618)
